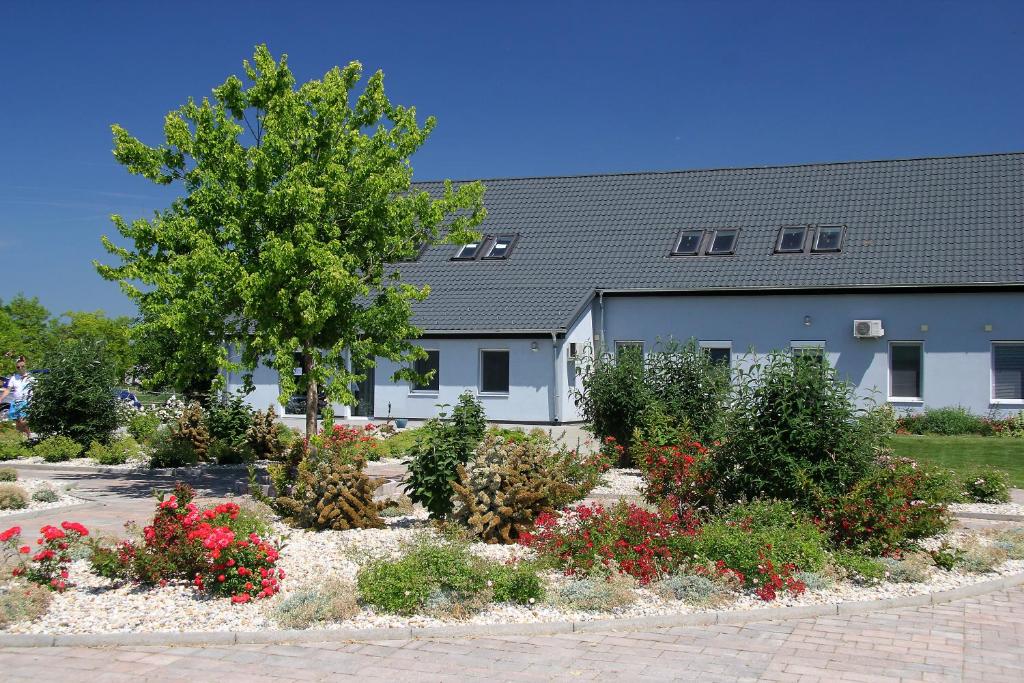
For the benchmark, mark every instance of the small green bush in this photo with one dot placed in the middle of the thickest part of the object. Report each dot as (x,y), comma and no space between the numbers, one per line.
(516,583)
(172,452)
(12,445)
(229,453)
(946,556)
(986,485)
(57,449)
(860,567)
(228,418)
(117,452)
(76,399)
(12,497)
(332,601)
(402,443)
(912,569)
(953,421)
(612,395)
(8,474)
(693,589)
(23,602)
(981,559)
(775,529)
(815,581)
(143,426)
(45,495)
(689,388)
(595,593)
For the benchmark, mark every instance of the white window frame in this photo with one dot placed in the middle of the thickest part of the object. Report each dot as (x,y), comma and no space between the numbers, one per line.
(480,374)
(802,344)
(429,392)
(626,343)
(992,374)
(719,345)
(460,255)
(905,399)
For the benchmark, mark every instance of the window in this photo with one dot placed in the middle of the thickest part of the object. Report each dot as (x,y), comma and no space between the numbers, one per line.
(468,252)
(829,238)
(719,352)
(494,372)
(814,349)
(905,370)
(688,243)
(432,363)
(501,247)
(724,242)
(622,347)
(1008,371)
(791,239)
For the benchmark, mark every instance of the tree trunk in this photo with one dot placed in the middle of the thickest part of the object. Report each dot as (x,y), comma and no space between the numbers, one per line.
(312,396)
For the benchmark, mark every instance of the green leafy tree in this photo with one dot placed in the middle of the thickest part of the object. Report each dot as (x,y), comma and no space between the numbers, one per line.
(114,333)
(296,200)
(26,328)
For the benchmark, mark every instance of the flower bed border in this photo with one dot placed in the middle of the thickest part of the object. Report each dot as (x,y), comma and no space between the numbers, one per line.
(484,630)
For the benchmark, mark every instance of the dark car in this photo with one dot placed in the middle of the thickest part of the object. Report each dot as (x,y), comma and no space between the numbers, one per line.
(296,405)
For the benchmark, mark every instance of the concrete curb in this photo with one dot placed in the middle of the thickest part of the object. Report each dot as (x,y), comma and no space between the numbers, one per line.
(732,617)
(25,514)
(989,515)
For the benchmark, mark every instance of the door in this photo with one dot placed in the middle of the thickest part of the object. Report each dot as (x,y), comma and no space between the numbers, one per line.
(364,396)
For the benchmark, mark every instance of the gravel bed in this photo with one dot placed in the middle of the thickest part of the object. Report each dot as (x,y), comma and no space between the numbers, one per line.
(619,481)
(64,499)
(84,462)
(989,508)
(98,606)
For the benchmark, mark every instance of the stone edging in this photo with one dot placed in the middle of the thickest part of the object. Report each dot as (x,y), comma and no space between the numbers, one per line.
(990,516)
(199,638)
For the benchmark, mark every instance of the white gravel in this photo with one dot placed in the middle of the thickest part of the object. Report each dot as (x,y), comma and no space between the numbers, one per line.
(989,508)
(141,463)
(619,481)
(64,498)
(98,606)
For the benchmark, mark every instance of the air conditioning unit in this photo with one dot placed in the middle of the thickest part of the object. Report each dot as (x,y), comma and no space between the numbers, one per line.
(867,329)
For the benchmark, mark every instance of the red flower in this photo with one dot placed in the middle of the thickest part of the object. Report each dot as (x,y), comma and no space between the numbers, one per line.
(76,527)
(24,549)
(10,533)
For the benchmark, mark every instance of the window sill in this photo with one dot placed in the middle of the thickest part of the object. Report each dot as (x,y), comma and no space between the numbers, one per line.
(492,394)
(425,394)
(903,399)
(1007,402)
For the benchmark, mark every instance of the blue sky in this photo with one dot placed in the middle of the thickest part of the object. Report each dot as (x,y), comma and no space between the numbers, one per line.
(519,88)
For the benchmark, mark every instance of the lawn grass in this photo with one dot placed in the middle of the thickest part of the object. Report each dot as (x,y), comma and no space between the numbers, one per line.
(966,453)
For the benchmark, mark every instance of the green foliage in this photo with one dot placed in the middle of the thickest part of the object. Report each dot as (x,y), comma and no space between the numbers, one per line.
(228,418)
(860,567)
(403,586)
(262,434)
(1011,541)
(333,495)
(26,328)
(45,495)
(981,559)
(612,395)
(953,421)
(689,388)
(169,451)
(694,589)
(95,328)
(913,568)
(295,200)
(986,485)
(595,593)
(331,601)
(747,534)
(517,583)
(191,428)
(143,426)
(23,602)
(12,445)
(8,474)
(225,452)
(815,581)
(12,497)
(504,487)
(444,444)
(794,431)
(946,556)
(106,561)
(118,452)
(76,397)
(403,443)
(57,449)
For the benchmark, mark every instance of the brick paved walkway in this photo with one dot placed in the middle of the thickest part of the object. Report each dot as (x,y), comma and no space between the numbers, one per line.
(979,639)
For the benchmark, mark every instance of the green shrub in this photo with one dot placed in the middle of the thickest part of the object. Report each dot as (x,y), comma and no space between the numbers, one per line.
(228,417)
(45,495)
(946,556)
(981,559)
(596,593)
(690,388)
(143,426)
(12,497)
(444,445)
(748,534)
(263,434)
(12,445)
(229,453)
(860,567)
(8,474)
(794,432)
(23,602)
(986,485)
(815,581)
(118,452)
(172,452)
(612,395)
(693,589)
(76,397)
(949,422)
(516,583)
(398,507)
(57,449)
(332,601)
(912,569)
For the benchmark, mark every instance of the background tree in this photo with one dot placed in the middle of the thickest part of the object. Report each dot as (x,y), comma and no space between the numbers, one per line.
(27,328)
(95,327)
(296,200)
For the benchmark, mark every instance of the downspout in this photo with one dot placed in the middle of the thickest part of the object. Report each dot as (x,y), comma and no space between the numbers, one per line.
(554,383)
(600,301)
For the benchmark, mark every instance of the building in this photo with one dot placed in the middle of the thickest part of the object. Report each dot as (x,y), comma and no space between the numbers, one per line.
(907,274)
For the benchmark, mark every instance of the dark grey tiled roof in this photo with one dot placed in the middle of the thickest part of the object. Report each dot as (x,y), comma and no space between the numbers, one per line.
(918,222)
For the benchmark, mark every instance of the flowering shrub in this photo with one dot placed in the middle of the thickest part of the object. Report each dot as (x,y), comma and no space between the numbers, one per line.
(201,546)
(679,477)
(885,510)
(48,565)
(586,538)
(988,485)
(771,581)
(349,443)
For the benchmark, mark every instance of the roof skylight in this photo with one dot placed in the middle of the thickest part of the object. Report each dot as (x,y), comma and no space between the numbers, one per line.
(468,251)
(501,247)
(791,239)
(688,243)
(829,238)
(723,242)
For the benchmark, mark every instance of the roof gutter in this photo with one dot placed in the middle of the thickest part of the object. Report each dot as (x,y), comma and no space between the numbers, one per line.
(474,333)
(808,289)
